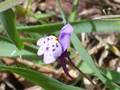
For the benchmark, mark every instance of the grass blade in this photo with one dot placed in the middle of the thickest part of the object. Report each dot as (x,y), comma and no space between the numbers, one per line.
(38,78)
(80,26)
(8,20)
(88,60)
(7,4)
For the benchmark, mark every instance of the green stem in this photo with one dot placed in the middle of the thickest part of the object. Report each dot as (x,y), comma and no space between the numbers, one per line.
(62,12)
(74,11)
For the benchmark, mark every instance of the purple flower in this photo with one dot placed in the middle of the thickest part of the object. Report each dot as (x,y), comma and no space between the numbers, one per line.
(53,48)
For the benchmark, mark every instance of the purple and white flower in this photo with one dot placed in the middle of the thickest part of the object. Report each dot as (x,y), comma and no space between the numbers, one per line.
(53,48)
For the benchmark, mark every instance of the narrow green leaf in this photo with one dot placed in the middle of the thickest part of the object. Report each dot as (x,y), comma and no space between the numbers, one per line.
(31,48)
(6,49)
(38,78)
(112,75)
(7,4)
(73,14)
(88,60)
(45,28)
(80,26)
(9,48)
(97,26)
(39,15)
(58,2)
(8,20)
(84,55)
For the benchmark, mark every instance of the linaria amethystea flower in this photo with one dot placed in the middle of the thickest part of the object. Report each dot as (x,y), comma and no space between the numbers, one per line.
(53,48)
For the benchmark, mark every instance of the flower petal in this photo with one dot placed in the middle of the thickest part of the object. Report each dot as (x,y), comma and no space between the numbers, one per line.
(40,42)
(41,50)
(57,50)
(64,37)
(45,40)
(50,48)
(54,50)
(48,58)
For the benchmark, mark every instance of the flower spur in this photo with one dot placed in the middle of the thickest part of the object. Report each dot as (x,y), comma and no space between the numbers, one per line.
(53,48)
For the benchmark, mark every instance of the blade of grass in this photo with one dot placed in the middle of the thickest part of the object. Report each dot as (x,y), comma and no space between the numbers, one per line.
(112,75)
(29,52)
(38,78)
(84,55)
(73,15)
(88,60)
(39,15)
(8,20)
(6,48)
(62,12)
(79,26)
(7,42)
(7,4)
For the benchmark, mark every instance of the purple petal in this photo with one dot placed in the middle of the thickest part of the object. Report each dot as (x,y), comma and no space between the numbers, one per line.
(64,37)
